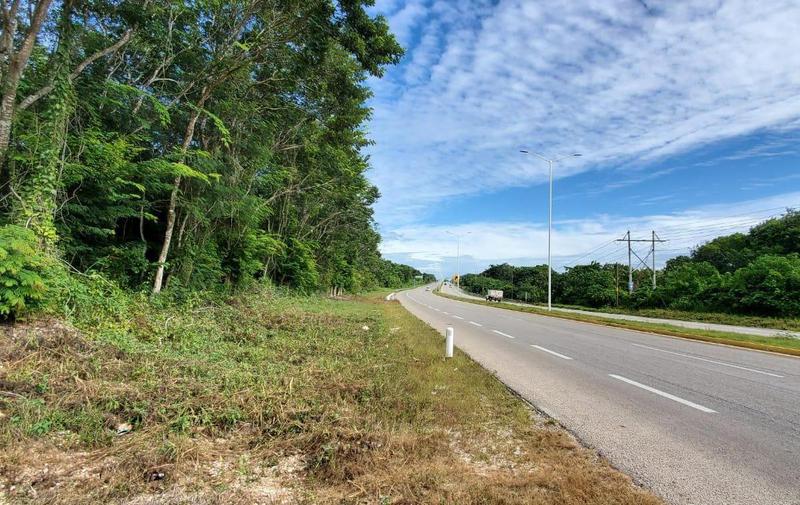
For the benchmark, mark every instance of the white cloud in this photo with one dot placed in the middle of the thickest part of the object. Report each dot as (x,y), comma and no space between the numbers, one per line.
(485,243)
(609,78)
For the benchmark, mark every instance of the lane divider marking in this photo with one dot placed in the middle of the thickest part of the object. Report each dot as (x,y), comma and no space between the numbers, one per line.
(664,394)
(709,360)
(551,352)
(475,324)
(458,317)
(503,334)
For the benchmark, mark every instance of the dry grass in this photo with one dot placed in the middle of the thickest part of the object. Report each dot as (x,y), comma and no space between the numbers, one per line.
(273,399)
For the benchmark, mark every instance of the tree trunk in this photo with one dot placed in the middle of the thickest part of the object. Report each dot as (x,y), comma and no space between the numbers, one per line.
(6,115)
(16,65)
(162,257)
(173,197)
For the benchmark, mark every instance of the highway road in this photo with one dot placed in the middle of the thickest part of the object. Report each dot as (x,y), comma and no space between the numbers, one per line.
(696,423)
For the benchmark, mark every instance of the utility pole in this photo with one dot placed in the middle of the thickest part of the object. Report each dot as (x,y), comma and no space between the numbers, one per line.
(653,239)
(630,268)
(653,251)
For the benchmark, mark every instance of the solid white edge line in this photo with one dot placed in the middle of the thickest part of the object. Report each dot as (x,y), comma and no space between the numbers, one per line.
(662,393)
(474,323)
(551,352)
(503,334)
(709,360)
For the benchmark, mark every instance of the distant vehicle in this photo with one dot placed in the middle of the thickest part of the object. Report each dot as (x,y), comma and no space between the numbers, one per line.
(494,295)
(427,289)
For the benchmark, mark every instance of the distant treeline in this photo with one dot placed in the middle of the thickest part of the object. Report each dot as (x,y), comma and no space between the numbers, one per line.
(395,275)
(747,273)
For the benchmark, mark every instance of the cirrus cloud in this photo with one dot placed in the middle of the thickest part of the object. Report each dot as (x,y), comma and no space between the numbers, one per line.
(619,80)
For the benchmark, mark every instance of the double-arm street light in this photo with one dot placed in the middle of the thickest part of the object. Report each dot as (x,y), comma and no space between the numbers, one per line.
(550,220)
(458,254)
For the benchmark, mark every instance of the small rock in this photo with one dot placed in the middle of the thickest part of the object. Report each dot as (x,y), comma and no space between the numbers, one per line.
(124,428)
(155,475)
(365,328)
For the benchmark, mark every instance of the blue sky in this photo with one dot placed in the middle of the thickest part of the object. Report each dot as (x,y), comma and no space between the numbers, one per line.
(687,115)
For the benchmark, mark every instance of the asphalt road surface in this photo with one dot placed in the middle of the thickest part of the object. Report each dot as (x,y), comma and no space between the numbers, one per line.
(696,423)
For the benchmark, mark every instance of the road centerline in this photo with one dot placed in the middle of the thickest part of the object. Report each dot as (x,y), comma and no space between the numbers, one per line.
(503,334)
(562,356)
(458,317)
(475,324)
(708,360)
(664,394)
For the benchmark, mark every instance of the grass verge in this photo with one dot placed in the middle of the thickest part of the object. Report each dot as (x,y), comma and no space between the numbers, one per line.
(776,323)
(783,345)
(269,398)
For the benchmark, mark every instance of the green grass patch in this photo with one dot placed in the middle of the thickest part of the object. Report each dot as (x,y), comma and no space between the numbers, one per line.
(783,345)
(788,324)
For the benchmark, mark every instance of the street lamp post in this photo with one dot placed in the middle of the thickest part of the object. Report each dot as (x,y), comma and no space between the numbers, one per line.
(458,255)
(550,221)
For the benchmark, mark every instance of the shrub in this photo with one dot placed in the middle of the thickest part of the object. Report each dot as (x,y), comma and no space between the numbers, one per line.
(21,265)
(770,285)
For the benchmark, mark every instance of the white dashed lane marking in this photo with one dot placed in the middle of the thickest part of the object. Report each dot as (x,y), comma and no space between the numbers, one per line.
(551,352)
(662,393)
(709,360)
(503,334)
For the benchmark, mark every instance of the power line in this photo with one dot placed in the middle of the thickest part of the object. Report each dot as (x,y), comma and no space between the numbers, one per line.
(752,215)
(684,233)
(596,249)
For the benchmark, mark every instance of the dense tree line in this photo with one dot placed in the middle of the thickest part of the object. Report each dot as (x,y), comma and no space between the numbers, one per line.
(390,274)
(186,144)
(750,273)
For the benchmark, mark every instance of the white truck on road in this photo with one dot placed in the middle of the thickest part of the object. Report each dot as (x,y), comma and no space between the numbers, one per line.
(494,295)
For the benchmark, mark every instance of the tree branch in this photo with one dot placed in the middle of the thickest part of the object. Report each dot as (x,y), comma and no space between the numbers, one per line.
(43,91)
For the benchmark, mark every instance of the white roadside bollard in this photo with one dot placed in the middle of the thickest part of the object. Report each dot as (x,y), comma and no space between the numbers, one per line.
(448,343)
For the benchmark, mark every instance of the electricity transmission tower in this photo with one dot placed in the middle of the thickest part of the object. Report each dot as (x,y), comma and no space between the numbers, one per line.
(651,255)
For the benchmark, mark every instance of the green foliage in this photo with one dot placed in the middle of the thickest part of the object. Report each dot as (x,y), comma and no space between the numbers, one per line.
(297,265)
(588,285)
(21,268)
(726,254)
(238,125)
(686,286)
(389,274)
(480,284)
(770,285)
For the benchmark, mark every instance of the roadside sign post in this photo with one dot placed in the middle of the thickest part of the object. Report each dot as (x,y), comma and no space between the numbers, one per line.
(448,342)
